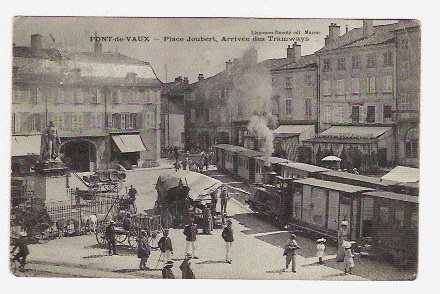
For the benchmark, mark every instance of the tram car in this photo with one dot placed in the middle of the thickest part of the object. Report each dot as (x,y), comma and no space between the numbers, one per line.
(246,164)
(301,170)
(264,165)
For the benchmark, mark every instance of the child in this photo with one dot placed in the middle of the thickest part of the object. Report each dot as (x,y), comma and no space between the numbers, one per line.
(320,247)
(348,258)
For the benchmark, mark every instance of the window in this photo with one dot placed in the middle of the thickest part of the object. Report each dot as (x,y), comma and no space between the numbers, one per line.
(77,122)
(15,126)
(132,121)
(371,60)
(95,96)
(387,112)
(309,80)
(78,96)
(114,96)
(288,82)
(412,148)
(371,85)
(95,121)
(58,119)
(340,86)
(356,62)
(340,114)
(404,45)
(326,65)
(388,59)
(116,121)
(34,95)
(35,122)
(341,63)
(327,114)
(398,217)
(308,107)
(371,112)
(289,106)
(355,114)
(383,215)
(327,88)
(387,84)
(355,86)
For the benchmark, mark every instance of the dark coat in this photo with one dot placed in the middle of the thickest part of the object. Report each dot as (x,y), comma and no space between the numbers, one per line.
(110,233)
(190,233)
(165,244)
(22,246)
(167,273)
(228,234)
(187,272)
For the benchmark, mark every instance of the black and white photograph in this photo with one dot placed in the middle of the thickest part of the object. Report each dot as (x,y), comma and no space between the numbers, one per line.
(232,148)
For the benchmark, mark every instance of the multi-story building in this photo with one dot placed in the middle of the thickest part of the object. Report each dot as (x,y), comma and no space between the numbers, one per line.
(105,106)
(408,92)
(358,95)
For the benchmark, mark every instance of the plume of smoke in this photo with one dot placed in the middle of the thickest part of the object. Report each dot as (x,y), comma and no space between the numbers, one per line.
(258,126)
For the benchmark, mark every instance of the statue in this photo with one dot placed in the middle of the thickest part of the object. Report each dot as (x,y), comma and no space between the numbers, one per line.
(49,143)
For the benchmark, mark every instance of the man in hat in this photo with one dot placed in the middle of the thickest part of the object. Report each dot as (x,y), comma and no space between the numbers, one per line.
(190,232)
(343,235)
(143,250)
(228,237)
(290,252)
(110,236)
(207,220)
(23,250)
(224,198)
(132,192)
(320,247)
(166,246)
(167,273)
(185,267)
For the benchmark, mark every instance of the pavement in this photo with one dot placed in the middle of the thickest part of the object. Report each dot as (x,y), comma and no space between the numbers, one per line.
(252,258)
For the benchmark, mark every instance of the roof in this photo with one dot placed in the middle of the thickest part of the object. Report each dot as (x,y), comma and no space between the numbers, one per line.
(355,38)
(355,132)
(272,159)
(291,129)
(394,196)
(24,145)
(332,185)
(27,52)
(361,178)
(403,174)
(108,58)
(201,186)
(303,62)
(249,153)
(305,167)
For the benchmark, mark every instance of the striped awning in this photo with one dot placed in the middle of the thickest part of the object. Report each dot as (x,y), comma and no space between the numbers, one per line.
(129,143)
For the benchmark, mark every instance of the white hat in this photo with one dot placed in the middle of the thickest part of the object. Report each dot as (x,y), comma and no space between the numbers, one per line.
(344,223)
(321,240)
(23,234)
(346,245)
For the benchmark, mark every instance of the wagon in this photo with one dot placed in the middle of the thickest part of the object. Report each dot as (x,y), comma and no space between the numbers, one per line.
(36,223)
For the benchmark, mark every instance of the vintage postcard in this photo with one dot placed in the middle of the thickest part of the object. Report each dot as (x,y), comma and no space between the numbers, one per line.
(215,148)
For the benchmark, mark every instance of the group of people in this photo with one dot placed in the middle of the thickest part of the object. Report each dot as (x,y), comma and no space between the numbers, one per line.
(345,253)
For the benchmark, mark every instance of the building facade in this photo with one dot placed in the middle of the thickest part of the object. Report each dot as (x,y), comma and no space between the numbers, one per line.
(105,106)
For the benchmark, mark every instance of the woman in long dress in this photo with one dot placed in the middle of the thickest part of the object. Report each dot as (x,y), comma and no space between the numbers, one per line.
(343,235)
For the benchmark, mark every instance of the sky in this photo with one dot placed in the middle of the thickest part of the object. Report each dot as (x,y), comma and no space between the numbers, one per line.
(172,58)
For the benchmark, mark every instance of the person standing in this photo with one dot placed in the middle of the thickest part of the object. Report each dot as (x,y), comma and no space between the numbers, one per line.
(110,236)
(166,246)
(23,250)
(343,235)
(185,267)
(207,220)
(190,232)
(320,247)
(348,258)
(167,272)
(290,252)
(143,250)
(214,203)
(228,237)
(224,198)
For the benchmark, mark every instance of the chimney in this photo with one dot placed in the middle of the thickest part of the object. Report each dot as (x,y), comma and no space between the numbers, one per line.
(289,52)
(185,80)
(36,42)
(334,31)
(346,28)
(200,77)
(326,40)
(229,67)
(367,27)
(296,52)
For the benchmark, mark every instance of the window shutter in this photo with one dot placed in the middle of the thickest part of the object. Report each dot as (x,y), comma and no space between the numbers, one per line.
(139,122)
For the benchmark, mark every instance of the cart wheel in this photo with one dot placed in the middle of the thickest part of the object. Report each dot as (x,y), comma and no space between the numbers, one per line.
(120,238)
(100,235)
(132,239)
(70,227)
(43,232)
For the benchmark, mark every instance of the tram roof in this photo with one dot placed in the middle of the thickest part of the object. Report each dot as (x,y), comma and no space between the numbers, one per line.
(393,196)
(361,178)
(332,185)
(305,167)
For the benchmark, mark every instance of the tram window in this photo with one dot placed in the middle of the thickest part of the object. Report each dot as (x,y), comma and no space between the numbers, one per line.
(383,215)
(398,216)
(345,200)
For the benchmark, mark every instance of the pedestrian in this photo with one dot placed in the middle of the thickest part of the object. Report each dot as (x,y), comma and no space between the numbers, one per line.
(224,218)
(207,220)
(348,258)
(166,246)
(185,267)
(320,247)
(214,203)
(290,252)
(132,192)
(228,237)
(190,232)
(143,250)
(167,272)
(110,236)
(224,197)
(23,250)
(343,235)
(177,165)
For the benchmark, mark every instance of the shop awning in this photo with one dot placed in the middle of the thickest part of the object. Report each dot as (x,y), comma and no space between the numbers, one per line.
(24,145)
(356,132)
(292,129)
(403,174)
(129,143)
